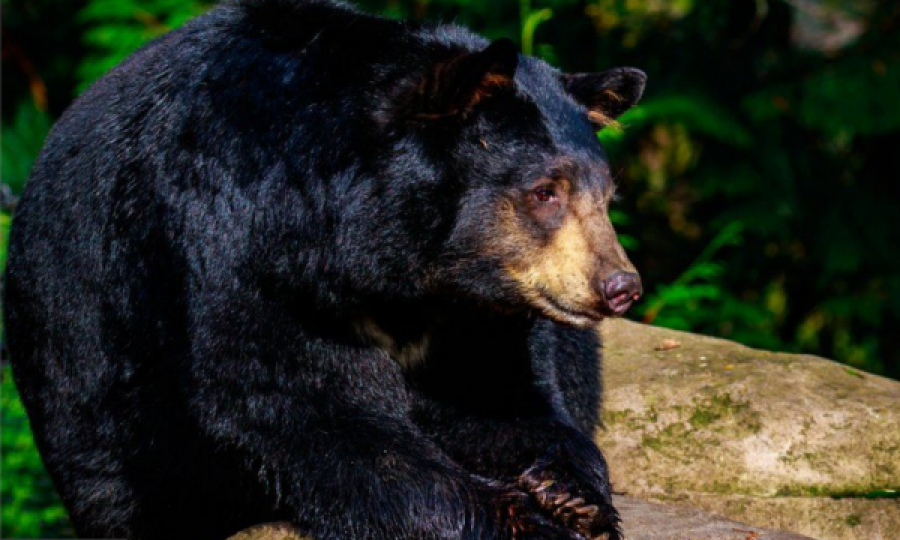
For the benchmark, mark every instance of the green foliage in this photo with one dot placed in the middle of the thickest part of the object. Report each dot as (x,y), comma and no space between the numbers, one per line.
(679,299)
(116,28)
(847,97)
(30,507)
(22,140)
(699,115)
(531,18)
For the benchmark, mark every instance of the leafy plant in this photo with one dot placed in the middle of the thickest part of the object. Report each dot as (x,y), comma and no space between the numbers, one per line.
(700,281)
(116,28)
(30,507)
(22,140)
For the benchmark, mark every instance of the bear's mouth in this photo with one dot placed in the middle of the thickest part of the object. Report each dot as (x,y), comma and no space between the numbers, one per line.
(578,317)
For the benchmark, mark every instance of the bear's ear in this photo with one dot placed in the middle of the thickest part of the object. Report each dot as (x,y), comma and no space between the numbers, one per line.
(607,94)
(458,84)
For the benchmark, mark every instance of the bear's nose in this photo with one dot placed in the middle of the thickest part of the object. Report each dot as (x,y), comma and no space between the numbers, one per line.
(620,290)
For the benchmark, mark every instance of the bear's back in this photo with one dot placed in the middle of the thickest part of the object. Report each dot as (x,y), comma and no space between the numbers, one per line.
(252,92)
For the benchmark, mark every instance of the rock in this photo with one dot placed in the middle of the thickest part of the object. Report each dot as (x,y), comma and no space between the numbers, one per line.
(778,440)
(644,520)
(641,521)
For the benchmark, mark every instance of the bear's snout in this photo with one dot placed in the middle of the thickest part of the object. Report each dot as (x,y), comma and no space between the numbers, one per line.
(619,291)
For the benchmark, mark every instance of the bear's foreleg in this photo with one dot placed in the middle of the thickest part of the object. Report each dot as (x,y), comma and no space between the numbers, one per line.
(558,465)
(326,425)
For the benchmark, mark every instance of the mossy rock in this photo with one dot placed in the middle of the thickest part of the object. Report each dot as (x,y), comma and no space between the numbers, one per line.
(778,440)
(641,520)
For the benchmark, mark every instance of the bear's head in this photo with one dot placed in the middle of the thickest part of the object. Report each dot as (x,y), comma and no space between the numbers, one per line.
(495,172)
(513,143)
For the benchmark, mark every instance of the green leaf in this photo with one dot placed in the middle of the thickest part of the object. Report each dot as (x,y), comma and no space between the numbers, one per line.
(22,141)
(699,115)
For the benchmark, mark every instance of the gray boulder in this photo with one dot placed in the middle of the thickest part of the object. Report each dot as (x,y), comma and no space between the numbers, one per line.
(778,440)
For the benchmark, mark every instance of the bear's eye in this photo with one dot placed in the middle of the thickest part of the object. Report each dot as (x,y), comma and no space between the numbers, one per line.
(545,193)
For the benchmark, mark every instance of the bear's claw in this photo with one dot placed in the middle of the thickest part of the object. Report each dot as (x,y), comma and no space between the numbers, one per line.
(564,503)
(524,519)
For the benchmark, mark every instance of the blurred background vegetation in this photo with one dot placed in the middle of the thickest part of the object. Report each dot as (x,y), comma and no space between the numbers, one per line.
(760,175)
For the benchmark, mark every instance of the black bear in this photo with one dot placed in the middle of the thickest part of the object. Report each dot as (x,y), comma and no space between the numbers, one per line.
(295,262)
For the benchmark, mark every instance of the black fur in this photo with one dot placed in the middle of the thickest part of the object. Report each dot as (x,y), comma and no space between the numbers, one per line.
(209,227)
